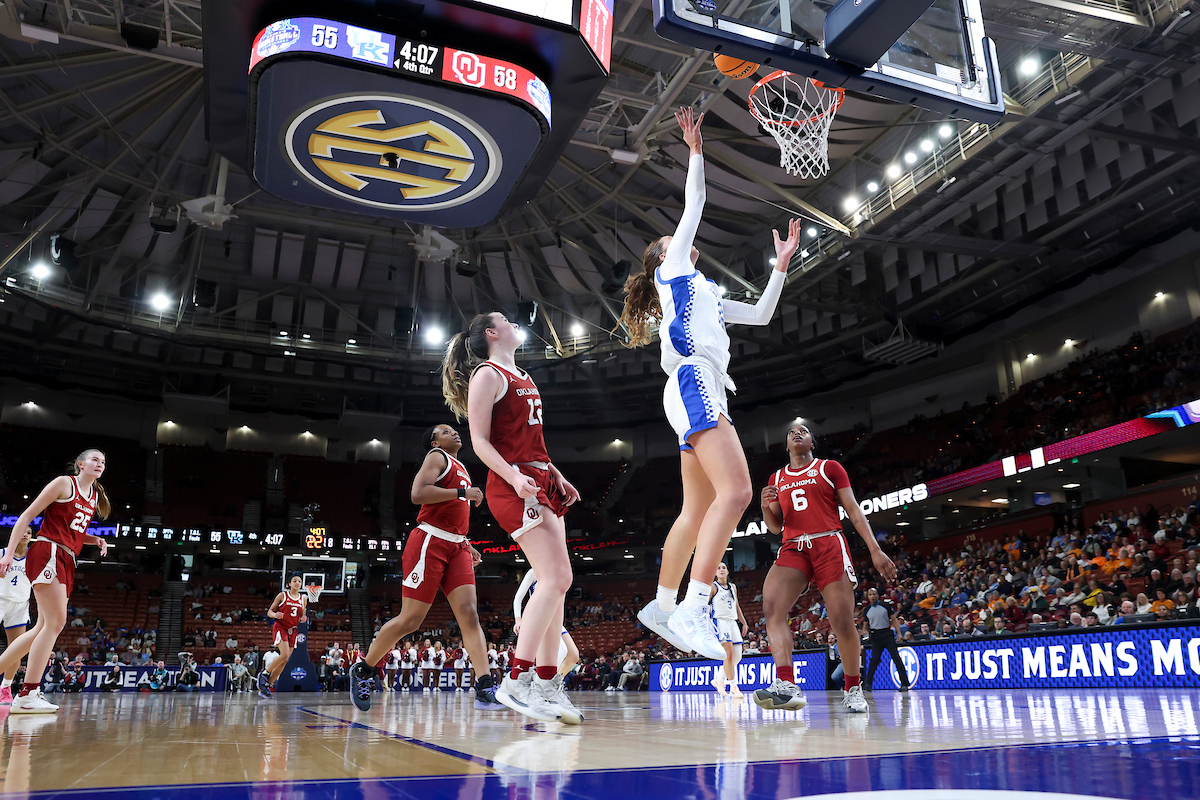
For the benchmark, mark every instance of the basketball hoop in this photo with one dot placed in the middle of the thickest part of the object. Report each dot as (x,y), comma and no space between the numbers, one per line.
(313,591)
(798,112)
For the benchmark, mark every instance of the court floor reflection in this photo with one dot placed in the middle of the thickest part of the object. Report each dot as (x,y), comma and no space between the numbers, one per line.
(1106,743)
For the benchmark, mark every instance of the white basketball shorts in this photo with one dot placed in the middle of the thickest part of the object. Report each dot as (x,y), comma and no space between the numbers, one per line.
(694,399)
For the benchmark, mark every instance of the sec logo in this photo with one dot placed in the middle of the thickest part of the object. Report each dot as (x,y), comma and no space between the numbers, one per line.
(912,665)
(392,152)
(666,677)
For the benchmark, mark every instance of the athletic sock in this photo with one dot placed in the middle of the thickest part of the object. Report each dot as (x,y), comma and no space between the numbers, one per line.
(852,681)
(546,673)
(519,665)
(5,684)
(785,674)
(29,688)
(697,595)
(666,599)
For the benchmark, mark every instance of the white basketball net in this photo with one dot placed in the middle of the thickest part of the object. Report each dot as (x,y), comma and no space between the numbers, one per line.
(314,592)
(797,111)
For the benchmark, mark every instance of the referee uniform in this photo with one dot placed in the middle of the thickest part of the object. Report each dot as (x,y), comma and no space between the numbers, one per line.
(881,637)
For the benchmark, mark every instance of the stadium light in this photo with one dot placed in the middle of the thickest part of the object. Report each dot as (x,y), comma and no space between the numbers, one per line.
(1029,66)
(894,170)
(40,271)
(577,329)
(434,335)
(160,302)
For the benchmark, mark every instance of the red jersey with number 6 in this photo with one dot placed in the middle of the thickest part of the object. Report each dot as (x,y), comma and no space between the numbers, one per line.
(517,418)
(808,497)
(66,521)
(452,516)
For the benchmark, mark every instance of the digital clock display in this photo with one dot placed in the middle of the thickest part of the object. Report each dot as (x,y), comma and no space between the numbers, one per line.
(410,57)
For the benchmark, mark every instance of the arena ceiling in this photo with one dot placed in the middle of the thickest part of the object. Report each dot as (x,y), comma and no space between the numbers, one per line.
(103,143)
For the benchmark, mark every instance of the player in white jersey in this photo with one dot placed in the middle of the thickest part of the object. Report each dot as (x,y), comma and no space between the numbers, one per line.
(568,653)
(14,609)
(731,628)
(695,355)
(493,658)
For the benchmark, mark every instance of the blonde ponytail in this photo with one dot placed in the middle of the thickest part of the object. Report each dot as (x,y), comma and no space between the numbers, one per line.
(641,299)
(465,349)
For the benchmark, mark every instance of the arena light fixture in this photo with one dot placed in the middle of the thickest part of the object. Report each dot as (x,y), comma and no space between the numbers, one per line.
(1029,65)
(772,261)
(588,558)
(910,157)
(1030,356)
(160,302)
(283,333)
(351,341)
(850,203)
(139,547)
(1068,342)
(40,271)
(243,552)
(434,335)
(170,422)
(306,336)
(577,329)
(521,335)
(1001,500)
(931,518)
(1158,295)
(945,130)
(630,555)
(811,232)
(1071,485)
(616,441)
(721,290)
(804,254)
(893,171)
(872,187)
(927,145)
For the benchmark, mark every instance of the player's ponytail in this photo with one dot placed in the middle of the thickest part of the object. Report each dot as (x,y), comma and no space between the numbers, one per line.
(103,505)
(465,348)
(641,298)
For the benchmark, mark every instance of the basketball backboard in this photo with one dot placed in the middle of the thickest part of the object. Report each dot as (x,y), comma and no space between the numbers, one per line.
(327,572)
(944,62)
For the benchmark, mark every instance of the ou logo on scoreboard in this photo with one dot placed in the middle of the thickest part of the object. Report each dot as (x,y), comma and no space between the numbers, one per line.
(912,665)
(666,677)
(392,152)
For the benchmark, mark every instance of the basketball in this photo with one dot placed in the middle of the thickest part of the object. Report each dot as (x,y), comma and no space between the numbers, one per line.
(735,68)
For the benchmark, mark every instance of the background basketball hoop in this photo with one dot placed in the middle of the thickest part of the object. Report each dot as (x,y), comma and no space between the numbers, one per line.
(798,112)
(313,591)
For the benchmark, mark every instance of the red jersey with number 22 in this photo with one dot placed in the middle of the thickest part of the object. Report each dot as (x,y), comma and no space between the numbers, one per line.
(451,516)
(66,521)
(808,497)
(517,418)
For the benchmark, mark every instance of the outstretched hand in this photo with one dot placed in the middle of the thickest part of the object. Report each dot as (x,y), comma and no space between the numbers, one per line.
(786,248)
(690,125)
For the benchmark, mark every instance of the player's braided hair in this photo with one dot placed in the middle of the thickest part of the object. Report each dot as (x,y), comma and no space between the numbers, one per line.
(641,298)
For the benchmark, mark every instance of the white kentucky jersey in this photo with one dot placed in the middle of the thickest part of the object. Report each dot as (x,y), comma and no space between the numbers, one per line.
(724,602)
(15,584)
(694,315)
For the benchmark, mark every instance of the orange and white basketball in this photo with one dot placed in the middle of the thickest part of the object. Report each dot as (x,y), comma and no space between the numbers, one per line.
(734,67)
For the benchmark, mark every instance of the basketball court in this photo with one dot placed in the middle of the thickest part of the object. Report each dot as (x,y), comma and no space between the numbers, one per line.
(1091,743)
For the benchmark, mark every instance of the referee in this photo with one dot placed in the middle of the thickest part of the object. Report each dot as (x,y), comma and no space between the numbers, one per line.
(882,630)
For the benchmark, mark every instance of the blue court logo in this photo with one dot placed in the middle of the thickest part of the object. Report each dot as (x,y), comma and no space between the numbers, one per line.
(666,676)
(392,152)
(299,673)
(912,665)
(300,637)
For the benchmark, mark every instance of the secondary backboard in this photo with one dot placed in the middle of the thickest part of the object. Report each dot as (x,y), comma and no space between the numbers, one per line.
(328,572)
(944,62)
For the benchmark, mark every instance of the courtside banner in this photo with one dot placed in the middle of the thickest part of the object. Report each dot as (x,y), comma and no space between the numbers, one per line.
(753,672)
(1134,657)
(212,678)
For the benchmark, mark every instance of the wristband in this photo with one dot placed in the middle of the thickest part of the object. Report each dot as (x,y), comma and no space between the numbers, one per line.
(462,493)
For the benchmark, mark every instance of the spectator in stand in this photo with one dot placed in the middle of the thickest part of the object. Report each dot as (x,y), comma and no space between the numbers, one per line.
(1161,601)
(633,670)
(239,676)
(1143,604)
(189,676)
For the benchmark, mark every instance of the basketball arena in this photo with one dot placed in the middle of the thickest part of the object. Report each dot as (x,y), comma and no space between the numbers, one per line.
(579,399)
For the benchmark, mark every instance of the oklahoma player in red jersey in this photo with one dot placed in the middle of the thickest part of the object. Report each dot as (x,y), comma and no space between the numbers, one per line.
(437,555)
(289,609)
(67,505)
(526,494)
(802,499)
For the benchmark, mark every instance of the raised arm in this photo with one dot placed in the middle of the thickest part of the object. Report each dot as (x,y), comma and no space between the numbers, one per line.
(760,313)
(677,261)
